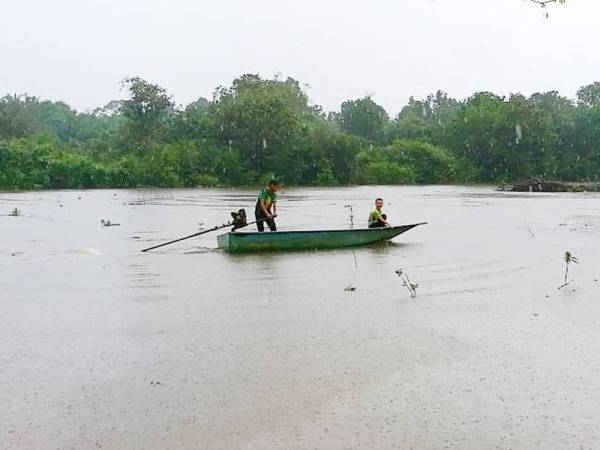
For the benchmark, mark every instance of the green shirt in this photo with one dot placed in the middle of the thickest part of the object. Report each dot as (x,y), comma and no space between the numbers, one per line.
(267,197)
(375,216)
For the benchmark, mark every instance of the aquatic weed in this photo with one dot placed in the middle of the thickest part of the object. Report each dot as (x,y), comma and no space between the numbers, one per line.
(568,258)
(412,287)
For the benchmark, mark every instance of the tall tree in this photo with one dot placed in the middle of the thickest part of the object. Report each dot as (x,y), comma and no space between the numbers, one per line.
(563,113)
(148,113)
(506,140)
(17,116)
(364,118)
(265,121)
(425,119)
(589,95)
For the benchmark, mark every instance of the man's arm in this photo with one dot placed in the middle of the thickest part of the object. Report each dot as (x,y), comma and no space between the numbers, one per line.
(274,208)
(380,218)
(265,210)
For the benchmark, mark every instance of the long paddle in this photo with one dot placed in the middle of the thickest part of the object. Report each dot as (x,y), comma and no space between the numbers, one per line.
(236,224)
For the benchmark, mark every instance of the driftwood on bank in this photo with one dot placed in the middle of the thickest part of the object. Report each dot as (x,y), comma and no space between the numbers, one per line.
(537,185)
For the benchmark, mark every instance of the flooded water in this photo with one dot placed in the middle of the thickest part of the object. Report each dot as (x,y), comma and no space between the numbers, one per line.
(103,346)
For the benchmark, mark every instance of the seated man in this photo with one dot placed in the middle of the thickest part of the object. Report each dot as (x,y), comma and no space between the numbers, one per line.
(376,219)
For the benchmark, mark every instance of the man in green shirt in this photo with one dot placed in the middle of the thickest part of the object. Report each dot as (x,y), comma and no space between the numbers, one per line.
(376,219)
(266,207)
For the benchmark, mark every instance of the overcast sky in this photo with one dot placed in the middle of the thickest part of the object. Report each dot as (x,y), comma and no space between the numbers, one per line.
(79,50)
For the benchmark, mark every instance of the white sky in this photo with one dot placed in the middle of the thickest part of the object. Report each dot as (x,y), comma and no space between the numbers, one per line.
(78,50)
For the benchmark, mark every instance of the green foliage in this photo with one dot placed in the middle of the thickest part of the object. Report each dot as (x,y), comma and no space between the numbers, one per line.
(431,164)
(18,117)
(377,166)
(364,118)
(507,140)
(147,112)
(195,121)
(589,95)
(406,162)
(258,127)
(424,119)
(37,162)
(265,120)
(584,154)
(330,155)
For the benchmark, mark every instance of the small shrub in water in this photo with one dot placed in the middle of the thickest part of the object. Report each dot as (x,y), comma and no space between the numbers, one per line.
(412,287)
(568,258)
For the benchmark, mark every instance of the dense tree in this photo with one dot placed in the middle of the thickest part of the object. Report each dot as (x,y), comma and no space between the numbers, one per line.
(17,116)
(432,164)
(259,127)
(265,121)
(331,155)
(589,95)
(424,119)
(147,112)
(363,117)
(563,114)
(505,139)
(585,157)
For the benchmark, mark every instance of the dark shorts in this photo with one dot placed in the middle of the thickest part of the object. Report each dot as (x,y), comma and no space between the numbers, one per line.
(261,219)
(378,224)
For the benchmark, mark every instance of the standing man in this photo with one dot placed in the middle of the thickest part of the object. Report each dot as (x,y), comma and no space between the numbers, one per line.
(376,219)
(266,206)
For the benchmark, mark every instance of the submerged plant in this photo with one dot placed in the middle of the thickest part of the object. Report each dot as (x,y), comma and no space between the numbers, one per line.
(568,258)
(412,287)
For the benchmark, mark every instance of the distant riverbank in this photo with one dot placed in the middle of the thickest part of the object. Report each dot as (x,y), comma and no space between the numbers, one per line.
(257,128)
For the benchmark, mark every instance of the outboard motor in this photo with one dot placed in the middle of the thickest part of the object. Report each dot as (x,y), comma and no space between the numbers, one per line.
(239,219)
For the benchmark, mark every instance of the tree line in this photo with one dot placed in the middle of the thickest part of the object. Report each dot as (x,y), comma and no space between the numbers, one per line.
(257,128)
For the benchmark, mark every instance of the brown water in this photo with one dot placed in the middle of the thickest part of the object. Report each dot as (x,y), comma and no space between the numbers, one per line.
(188,347)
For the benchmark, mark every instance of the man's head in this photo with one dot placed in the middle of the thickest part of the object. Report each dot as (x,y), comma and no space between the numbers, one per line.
(273,185)
(379,203)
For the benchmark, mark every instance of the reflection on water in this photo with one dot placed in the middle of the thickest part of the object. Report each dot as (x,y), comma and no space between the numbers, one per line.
(274,347)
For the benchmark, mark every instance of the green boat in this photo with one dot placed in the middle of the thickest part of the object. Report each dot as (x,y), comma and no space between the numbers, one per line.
(242,241)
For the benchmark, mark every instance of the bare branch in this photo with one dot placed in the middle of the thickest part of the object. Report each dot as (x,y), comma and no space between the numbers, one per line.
(543,3)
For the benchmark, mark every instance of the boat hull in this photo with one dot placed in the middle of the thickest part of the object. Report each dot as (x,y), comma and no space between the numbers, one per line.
(244,242)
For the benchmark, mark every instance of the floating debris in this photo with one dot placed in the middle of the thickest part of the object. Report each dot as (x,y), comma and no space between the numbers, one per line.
(539,185)
(108,223)
(349,288)
(88,251)
(15,212)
